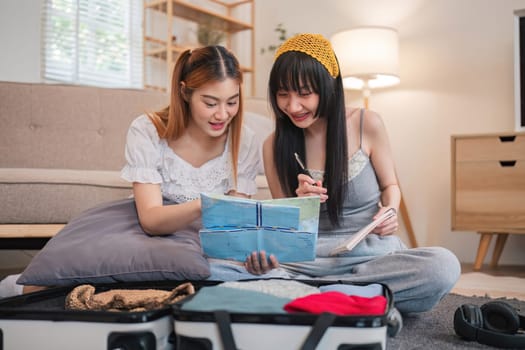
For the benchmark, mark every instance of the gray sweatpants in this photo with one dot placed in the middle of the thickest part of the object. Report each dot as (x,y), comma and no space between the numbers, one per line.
(418,277)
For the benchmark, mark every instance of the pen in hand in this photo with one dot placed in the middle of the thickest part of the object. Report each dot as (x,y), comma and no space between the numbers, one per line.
(305,171)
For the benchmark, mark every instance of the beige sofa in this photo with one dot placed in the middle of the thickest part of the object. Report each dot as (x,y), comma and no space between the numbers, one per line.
(62,148)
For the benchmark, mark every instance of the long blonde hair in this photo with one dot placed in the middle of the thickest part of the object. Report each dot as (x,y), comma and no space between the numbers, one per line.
(195,68)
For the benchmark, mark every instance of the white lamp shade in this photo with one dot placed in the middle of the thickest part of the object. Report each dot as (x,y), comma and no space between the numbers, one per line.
(368,55)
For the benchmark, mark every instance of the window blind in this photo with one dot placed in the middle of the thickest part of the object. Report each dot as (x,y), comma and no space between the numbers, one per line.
(93,42)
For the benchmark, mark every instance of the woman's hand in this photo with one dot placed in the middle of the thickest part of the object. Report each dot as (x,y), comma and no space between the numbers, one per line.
(387,227)
(310,187)
(258,264)
(234,193)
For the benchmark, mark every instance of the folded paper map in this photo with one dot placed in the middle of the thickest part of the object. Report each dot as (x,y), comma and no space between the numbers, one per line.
(235,227)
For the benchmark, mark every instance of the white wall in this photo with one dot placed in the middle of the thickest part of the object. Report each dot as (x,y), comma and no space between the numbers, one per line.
(456,78)
(20,40)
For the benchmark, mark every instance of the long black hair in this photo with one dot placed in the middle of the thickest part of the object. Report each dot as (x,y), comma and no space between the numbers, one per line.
(291,71)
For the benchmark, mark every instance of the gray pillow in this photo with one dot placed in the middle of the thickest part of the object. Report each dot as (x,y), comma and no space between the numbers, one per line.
(106,244)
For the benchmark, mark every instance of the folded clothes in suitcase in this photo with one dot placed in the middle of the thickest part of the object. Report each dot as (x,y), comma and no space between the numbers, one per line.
(41,320)
(286,314)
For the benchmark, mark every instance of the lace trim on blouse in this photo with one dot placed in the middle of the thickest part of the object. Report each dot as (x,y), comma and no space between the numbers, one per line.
(356,164)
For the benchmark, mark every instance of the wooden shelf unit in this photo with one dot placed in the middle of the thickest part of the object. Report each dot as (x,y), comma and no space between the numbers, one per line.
(488,188)
(168,50)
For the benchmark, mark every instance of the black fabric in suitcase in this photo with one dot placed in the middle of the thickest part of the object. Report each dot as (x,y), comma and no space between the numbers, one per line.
(220,329)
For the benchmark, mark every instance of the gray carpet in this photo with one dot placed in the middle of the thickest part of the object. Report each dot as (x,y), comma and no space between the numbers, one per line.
(434,330)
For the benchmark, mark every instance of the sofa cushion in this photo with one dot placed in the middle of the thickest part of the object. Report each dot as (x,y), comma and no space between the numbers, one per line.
(69,126)
(50,196)
(106,244)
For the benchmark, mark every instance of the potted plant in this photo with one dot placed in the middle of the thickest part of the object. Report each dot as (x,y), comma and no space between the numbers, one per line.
(207,34)
(281,38)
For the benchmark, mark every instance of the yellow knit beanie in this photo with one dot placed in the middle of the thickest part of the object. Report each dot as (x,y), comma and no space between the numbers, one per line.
(314,45)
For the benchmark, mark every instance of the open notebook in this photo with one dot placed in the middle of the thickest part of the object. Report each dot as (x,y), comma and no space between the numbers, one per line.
(349,244)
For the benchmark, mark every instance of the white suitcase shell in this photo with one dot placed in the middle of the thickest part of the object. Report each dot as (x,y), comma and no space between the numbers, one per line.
(221,330)
(39,321)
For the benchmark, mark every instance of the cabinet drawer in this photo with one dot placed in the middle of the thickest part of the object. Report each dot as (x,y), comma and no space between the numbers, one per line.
(495,147)
(489,195)
(491,175)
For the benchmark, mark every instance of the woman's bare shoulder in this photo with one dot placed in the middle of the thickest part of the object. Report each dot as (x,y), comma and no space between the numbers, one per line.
(268,143)
(269,140)
(372,127)
(371,119)
(351,112)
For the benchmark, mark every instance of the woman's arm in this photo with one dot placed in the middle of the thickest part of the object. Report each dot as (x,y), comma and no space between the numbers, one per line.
(375,140)
(234,193)
(270,171)
(158,219)
(307,185)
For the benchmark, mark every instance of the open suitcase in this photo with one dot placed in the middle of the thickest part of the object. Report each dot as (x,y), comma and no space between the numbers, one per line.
(222,330)
(40,321)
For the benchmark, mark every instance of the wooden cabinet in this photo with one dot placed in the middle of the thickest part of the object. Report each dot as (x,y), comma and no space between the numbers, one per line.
(488,188)
(215,15)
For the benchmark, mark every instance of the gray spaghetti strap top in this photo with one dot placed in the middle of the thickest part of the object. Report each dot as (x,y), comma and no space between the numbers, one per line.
(360,204)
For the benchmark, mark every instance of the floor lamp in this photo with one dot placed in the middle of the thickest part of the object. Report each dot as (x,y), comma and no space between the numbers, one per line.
(369,59)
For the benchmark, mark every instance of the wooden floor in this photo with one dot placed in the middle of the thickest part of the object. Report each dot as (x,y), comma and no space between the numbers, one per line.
(500,282)
(505,270)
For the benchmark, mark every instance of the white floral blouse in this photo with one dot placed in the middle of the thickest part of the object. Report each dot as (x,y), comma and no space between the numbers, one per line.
(151,160)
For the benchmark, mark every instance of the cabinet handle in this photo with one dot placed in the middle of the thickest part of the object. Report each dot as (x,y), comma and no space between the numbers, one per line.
(507,138)
(507,163)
